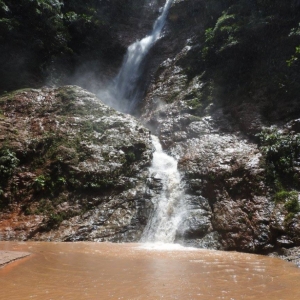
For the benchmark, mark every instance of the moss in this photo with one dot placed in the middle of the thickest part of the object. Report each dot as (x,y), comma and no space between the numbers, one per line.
(194,118)
(130,156)
(211,177)
(99,127)
(54,148)
(97,183)
(70,106)
(10,95)
(291,203)
(195,103)
(172,97)
(67,94)
(86,127)
(284,196)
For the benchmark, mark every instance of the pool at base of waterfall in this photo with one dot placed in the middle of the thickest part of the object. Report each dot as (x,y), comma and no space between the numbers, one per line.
(143,271)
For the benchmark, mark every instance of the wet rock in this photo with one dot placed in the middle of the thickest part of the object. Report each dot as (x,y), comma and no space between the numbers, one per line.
(293,229)
(292,255)
(197,220)
(278,221)
(209,241)
(74,169)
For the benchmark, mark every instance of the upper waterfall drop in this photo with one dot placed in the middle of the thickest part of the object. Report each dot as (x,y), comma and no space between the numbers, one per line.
(126,88)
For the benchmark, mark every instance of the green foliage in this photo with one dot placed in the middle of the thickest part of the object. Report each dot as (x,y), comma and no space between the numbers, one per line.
(294,58)
(8,163)
(40,183)
(281,152)
(67,94)
(61,181)
(224,34)
(290,200)
(292,205)
(195,104)
(295,31)
(49,185)
(54,220)
(46,39)
(244,50)
(3,7)
(36,44)
(284,196)
(94,183)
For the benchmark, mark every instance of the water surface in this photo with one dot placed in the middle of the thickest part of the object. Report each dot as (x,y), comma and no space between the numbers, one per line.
(132,271)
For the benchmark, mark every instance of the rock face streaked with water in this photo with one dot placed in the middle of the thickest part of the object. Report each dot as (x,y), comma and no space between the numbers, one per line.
(71,168)
(207,115)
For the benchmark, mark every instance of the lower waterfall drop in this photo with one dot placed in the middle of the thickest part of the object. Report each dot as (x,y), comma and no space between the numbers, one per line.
(169,207)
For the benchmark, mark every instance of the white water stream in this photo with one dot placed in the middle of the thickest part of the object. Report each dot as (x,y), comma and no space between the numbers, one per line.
(169,207)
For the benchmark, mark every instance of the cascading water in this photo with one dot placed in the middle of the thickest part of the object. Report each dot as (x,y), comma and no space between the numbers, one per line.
(124,95)
(169,208)
(125,92)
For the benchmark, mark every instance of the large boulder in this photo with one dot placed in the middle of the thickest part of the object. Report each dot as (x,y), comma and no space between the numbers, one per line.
(71,168)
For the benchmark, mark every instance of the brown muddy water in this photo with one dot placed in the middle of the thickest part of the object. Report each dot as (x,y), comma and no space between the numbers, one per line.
(129,271)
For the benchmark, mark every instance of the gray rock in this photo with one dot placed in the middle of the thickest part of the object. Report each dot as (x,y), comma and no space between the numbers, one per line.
(83,168)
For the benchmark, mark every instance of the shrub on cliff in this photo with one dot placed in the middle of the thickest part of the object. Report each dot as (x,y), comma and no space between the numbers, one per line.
(8,163)
(249,50)
(282,155)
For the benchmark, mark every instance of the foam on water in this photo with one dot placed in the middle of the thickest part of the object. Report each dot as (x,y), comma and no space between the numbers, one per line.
(165,247)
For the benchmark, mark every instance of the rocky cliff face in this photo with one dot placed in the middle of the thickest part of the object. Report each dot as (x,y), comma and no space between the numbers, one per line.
(71,168)
(218,105)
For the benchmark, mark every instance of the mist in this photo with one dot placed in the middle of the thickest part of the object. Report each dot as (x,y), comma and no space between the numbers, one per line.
(122,85)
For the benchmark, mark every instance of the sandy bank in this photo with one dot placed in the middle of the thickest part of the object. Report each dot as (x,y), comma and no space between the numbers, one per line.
(9,256)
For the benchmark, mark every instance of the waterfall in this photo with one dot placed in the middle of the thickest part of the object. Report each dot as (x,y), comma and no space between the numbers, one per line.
(168,202)
(124,94)
(126,91)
